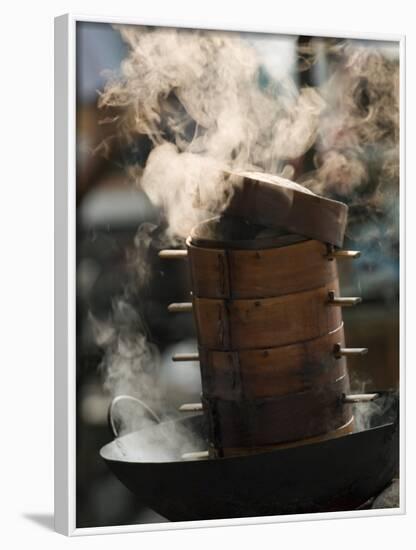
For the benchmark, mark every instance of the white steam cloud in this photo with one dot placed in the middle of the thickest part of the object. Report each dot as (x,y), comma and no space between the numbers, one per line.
(197,95)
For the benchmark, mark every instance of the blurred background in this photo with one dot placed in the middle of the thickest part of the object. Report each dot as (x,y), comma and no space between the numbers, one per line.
(109,212)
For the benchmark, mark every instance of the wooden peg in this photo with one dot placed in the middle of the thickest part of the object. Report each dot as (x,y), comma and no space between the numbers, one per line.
(347,254)
(341,301)
(196,455)
(360,397)
(185,357)
(190,407)
(342,254)
(181,307)
(340,351)
(173,254)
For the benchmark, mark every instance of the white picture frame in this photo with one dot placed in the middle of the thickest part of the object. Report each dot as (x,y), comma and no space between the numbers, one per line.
(65,290)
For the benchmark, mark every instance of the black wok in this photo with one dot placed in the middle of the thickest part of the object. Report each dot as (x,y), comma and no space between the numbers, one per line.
(334,475)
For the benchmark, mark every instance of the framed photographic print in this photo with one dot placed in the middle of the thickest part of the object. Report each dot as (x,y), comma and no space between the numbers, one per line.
(228,304)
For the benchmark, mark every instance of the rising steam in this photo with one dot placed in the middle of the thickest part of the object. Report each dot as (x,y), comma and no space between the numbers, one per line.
(198,96)
(357,146)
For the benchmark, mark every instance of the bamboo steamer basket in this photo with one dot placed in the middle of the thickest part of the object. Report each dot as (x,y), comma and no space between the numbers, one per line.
(266,322)
(269,272)
(284,418)
(266,330)
(268,372)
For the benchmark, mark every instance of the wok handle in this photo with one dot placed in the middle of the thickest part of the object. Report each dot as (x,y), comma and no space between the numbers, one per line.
(150,412)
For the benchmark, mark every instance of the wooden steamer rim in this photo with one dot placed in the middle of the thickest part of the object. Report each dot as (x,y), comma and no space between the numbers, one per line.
(230,232)
(268,372)
(266,322)
(278,419)
(342,431)
(261,271)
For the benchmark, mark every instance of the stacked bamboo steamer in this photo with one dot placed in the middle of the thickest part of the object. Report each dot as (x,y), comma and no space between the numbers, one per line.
(268,314)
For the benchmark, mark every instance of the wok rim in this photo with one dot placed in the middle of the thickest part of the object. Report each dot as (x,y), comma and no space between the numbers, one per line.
(103,449)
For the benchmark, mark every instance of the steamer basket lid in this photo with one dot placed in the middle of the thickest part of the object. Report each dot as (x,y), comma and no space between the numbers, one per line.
(273,201)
